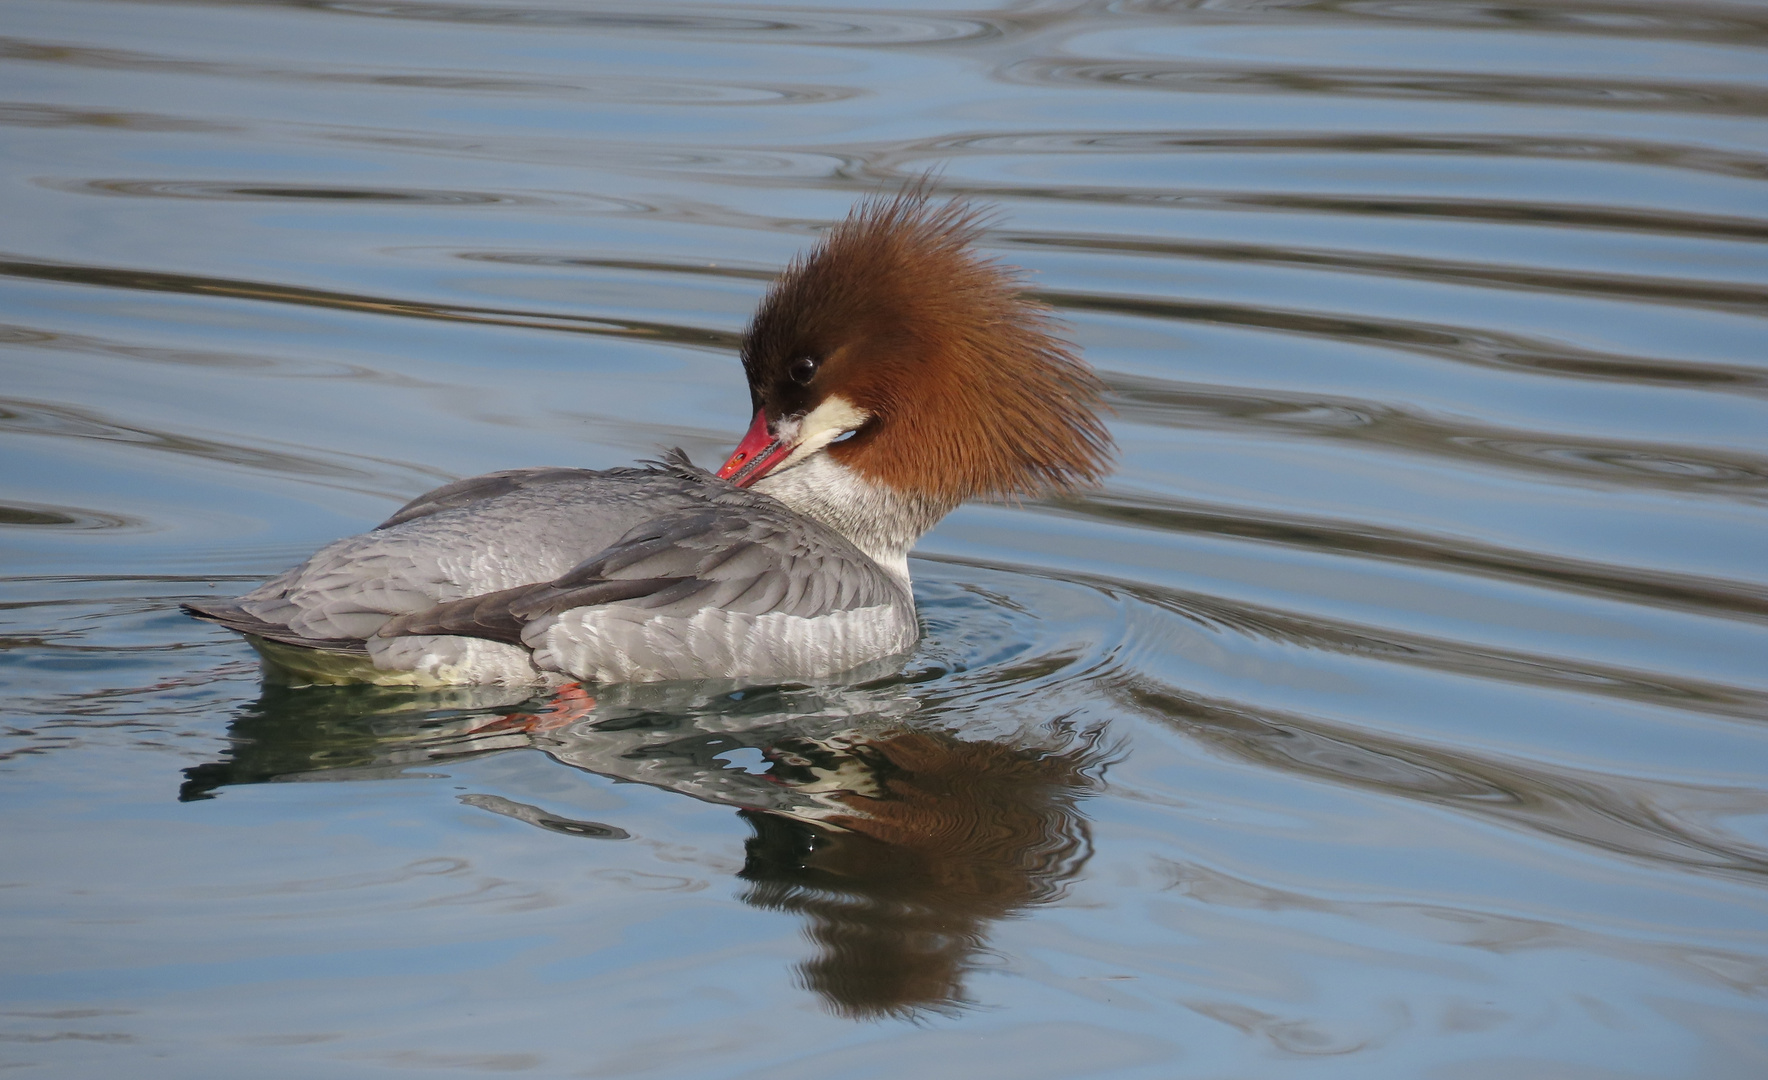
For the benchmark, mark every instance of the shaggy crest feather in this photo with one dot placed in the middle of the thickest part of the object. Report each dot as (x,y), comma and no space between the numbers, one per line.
(970,390)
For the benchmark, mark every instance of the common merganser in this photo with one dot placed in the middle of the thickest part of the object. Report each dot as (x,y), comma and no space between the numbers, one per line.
(893,371)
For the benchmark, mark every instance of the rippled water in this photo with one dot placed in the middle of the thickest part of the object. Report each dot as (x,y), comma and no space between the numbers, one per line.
(1396,709)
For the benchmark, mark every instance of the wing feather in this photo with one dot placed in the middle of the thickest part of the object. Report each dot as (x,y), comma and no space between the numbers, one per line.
(500,616)
(742,556)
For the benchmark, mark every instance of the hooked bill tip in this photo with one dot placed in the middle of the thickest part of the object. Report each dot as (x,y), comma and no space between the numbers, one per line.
(755,455)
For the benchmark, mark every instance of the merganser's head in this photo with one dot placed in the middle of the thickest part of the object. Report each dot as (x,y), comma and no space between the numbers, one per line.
(897,350)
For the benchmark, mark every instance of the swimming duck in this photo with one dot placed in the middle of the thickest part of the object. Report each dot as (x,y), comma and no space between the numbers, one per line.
(893,373)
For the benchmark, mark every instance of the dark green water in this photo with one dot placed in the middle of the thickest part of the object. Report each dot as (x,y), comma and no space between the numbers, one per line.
(1399,708)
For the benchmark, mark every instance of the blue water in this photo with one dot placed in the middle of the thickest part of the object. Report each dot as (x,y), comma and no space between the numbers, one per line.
(1396,708)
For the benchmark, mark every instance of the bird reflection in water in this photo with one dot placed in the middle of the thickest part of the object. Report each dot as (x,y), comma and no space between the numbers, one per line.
(899,842)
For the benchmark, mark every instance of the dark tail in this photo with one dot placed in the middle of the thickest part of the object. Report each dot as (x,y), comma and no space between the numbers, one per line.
(229,614)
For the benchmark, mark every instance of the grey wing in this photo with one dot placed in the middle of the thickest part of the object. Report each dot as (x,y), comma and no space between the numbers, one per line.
(744,588)
(478,536)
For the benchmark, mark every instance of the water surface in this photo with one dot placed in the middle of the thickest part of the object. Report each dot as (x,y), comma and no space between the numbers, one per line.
(1395,709)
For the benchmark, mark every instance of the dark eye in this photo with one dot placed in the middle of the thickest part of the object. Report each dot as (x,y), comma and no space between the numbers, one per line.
(803,370)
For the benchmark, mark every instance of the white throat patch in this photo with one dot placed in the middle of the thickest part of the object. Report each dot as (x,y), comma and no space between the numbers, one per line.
(819,427)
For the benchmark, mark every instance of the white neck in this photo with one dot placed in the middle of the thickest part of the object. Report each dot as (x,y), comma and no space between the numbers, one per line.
(879,520)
